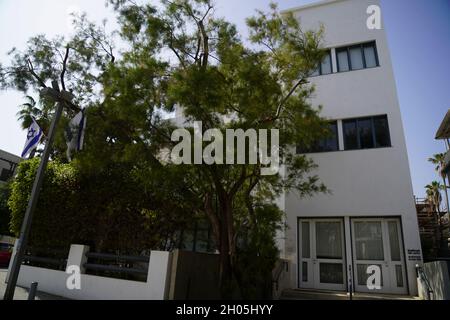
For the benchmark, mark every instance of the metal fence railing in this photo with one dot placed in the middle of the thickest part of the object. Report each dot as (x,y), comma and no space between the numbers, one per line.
(55,259)
(117,266)
(425,282)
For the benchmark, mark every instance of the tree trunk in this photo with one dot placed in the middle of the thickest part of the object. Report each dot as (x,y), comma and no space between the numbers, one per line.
(222,227)
(227,246)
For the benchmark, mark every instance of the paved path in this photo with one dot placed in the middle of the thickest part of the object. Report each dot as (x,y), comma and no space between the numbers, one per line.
(298,294)
(22,293)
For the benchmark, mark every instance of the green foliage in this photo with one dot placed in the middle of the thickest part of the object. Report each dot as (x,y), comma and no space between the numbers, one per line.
(434,197)
(257,252)
(106,210)
(52,220)
(439,161)
(118,192)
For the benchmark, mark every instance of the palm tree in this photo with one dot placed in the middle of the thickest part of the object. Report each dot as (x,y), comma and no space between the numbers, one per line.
(28,111)
(439,161)
(434,197)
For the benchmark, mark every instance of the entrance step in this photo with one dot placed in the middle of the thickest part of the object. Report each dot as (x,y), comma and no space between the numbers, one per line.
(299,294)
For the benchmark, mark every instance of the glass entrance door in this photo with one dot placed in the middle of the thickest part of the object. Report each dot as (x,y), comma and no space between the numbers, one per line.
(377,242)
(322,253)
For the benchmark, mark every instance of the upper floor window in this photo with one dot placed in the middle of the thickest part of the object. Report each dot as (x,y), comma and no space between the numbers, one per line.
(366,133)
(357,57)
(330,143)
(6,174)
(325,67)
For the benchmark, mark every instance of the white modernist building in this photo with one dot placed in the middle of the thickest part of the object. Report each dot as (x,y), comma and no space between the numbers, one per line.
(8,165)
(369,219)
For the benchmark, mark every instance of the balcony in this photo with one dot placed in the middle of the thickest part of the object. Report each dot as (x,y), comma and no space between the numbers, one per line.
(443,133)
(446,168)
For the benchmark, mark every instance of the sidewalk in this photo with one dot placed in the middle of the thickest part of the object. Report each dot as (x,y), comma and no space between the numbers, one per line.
(22,293)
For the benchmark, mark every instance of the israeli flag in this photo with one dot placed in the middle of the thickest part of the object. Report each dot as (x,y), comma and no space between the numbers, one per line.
(75,133)
(34,136)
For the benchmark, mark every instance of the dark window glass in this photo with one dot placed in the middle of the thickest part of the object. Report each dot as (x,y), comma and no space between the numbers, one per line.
(331,143)
(370,55)
(360,56)
(5,174)
(325,67)
(350,135)
(382,136)
(365,129)
(316,72)
(342,59)
(356,58)
(366,133)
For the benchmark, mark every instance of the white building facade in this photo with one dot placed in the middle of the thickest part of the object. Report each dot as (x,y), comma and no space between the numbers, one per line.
(8,165)
(368,222)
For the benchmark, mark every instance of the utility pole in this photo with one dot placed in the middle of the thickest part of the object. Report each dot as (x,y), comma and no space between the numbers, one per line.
(21,244)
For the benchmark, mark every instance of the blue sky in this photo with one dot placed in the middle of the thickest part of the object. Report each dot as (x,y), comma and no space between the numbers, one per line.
(419,39)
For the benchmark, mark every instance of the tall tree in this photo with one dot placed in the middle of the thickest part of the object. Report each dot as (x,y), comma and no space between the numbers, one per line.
(433,191)
(179,55)
(217,76)
(439,161)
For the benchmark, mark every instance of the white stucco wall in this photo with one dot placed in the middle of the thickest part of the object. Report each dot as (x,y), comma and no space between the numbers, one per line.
(8,157)
(373,182)
(101,288)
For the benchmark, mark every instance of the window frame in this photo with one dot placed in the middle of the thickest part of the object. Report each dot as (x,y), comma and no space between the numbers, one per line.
(311,151)
(361,46)
(374,135)
(319,68)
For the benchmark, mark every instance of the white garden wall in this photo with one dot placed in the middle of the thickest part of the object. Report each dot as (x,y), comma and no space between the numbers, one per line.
(101,288)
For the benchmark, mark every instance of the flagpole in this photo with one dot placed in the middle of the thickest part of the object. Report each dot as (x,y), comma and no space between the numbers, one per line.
(21,244)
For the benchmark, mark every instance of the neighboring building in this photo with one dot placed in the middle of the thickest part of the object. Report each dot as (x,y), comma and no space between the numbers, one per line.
(443,133)
(430,230)
(8,165)
(370,217)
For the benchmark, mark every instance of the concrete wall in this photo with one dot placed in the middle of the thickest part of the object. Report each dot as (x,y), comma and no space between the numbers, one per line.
(281,278)
(373,182)
(438,274)
(101,288)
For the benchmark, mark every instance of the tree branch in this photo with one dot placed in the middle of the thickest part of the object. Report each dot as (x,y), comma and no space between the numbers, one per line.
(31,70)
(63,72)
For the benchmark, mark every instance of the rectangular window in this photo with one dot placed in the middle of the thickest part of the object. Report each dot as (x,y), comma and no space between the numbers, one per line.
(350,135)
(325,67)
(370,55)
(328,144)
(5,174)
(305,240)
(342,58)
(382,137)
(366,133)
(357,57)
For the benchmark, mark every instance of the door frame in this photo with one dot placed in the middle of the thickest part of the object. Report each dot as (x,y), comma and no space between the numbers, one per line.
(387,287)
(312,234)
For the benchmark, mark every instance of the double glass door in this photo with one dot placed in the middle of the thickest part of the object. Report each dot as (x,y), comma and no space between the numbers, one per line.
(322,254)
(375,246)
(378,242)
